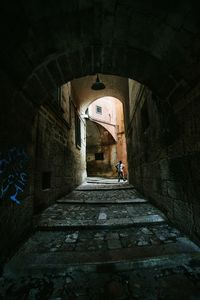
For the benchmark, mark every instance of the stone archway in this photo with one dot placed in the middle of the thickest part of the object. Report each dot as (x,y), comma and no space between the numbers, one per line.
(47,46)
(55,44)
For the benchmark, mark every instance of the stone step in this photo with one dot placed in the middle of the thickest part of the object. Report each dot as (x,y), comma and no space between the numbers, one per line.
(180,253)
(178,280)
(169,277)
(65,216)
(100,223)
(103,187)
(94,249)
(100,202)
(101,197)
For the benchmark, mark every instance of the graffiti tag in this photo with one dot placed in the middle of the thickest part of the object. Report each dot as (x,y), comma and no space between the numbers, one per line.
(13,177)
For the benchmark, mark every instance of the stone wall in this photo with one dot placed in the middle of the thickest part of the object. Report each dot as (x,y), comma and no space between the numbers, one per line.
(164,157)
(16,172)
(60,164)
(53,158)
(100,142)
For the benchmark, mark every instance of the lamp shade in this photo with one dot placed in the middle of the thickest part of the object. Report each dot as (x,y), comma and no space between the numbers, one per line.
(97,85)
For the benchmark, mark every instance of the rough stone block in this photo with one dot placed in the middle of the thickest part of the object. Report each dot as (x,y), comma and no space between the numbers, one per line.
(55,72)
(35,90)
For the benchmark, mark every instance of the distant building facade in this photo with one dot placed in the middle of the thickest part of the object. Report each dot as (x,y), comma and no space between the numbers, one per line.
(106,143)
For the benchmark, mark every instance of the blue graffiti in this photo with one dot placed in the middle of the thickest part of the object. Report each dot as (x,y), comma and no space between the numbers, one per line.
(13,177)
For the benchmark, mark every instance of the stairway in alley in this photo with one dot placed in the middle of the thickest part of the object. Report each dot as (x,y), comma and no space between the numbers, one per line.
(103,241)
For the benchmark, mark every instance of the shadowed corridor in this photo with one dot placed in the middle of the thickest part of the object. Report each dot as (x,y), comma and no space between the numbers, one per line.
(74,232)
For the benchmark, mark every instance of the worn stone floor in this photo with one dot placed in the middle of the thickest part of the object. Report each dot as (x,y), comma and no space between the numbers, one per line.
(103,241)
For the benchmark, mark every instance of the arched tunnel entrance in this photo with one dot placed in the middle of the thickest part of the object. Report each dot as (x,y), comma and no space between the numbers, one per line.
(148,59)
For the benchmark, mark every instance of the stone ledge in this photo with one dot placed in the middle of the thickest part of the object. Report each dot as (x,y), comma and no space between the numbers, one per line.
(114,260)
(79,201)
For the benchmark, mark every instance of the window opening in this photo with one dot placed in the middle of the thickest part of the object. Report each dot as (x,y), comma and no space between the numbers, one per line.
(78,131)
(46,180)
(145,117)
(99,156)
(98,109)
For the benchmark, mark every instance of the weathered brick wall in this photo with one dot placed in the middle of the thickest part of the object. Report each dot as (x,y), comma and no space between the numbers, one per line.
(16,176)
(99,140)
(105,167)
(57,156)
(15,224)
(164,158)
(50,146)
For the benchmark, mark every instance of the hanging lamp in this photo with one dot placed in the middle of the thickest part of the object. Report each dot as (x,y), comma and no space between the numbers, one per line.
(97,85)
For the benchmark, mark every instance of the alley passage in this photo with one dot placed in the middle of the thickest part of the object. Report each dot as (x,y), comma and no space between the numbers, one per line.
(103,241)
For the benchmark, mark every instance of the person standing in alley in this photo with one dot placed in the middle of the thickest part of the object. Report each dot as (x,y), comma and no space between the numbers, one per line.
(120,170)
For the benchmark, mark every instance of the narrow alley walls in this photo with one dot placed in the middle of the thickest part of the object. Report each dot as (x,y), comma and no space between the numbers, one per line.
(163,153)
(42,162)
(60,149)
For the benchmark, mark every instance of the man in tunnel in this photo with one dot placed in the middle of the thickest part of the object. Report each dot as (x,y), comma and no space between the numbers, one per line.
(120,170)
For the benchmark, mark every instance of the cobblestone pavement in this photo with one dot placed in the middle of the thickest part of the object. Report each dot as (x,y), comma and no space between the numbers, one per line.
(97,215)
(168,283)
(113,244)
(98,183)
(93,240)
(112,196)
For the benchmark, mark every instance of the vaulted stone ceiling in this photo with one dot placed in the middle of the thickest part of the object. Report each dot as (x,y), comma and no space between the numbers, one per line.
(115,86)
(47,43)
